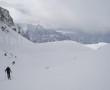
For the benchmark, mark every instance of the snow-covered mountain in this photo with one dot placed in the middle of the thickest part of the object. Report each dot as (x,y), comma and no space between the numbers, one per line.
(65,65)
(37,33)
(52,66)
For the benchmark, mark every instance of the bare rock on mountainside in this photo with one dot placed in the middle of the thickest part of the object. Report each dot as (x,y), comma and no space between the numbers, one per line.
(5,17)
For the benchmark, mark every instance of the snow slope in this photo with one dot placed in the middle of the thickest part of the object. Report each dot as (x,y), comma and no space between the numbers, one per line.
(96,46)
(52,66)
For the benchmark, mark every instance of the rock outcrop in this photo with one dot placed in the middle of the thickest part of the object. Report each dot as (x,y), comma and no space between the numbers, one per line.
(5,17)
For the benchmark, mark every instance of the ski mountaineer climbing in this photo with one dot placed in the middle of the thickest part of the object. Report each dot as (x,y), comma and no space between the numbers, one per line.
(13,63)
(8,71)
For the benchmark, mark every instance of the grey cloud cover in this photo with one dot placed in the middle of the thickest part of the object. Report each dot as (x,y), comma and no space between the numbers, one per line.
(87,14)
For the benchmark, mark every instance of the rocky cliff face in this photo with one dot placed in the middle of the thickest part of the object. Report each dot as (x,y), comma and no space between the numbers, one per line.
(5,17)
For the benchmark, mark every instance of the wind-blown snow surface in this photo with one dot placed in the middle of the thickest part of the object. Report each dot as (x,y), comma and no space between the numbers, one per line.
(96,46)
(53,66)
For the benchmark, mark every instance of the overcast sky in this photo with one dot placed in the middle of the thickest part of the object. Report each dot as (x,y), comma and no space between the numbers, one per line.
(87,14)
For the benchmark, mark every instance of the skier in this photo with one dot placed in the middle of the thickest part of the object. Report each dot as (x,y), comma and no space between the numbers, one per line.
(13,62)
(8,71)
(5,54)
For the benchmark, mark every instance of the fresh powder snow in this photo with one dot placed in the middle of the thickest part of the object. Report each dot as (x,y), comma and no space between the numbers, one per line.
(62,65)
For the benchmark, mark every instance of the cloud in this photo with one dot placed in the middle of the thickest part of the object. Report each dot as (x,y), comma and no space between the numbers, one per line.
(87,14)
(18,7)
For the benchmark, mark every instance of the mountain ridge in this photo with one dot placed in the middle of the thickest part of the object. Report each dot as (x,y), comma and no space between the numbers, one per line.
(40,34)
